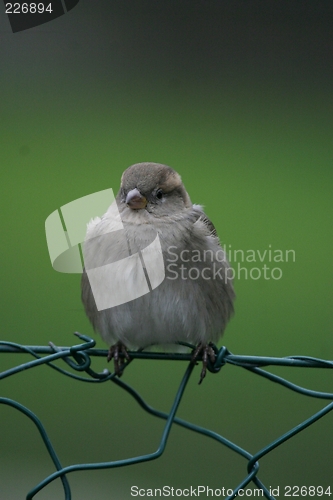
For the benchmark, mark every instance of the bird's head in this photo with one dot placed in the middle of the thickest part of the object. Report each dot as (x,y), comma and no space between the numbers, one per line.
(153,187)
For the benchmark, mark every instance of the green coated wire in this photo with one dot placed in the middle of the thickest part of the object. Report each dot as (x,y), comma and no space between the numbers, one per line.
(129,461)
(290,434)
(78,358)
(45,438)
(201,430)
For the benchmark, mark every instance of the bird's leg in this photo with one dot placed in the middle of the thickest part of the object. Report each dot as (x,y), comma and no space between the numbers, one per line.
(207,351)
(114,352)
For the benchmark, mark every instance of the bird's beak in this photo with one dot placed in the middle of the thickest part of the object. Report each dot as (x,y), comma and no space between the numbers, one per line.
(135,200)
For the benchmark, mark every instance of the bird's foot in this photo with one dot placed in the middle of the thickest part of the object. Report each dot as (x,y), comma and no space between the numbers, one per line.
(116,352)
(207,352)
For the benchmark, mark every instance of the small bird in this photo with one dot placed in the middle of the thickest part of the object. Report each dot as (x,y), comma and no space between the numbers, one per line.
(188,298)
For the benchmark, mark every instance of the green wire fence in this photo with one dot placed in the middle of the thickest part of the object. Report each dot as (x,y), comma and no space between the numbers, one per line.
(78,358)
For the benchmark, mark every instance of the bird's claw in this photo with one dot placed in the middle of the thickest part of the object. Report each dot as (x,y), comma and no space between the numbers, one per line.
(207,352)
(116,352)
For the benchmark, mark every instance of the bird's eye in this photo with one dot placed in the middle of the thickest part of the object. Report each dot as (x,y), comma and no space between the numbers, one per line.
(159,194)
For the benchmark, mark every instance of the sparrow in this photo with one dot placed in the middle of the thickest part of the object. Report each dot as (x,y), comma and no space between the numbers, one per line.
(155,271)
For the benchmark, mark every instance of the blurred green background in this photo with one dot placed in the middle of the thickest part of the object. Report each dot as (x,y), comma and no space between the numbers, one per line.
(237,97)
